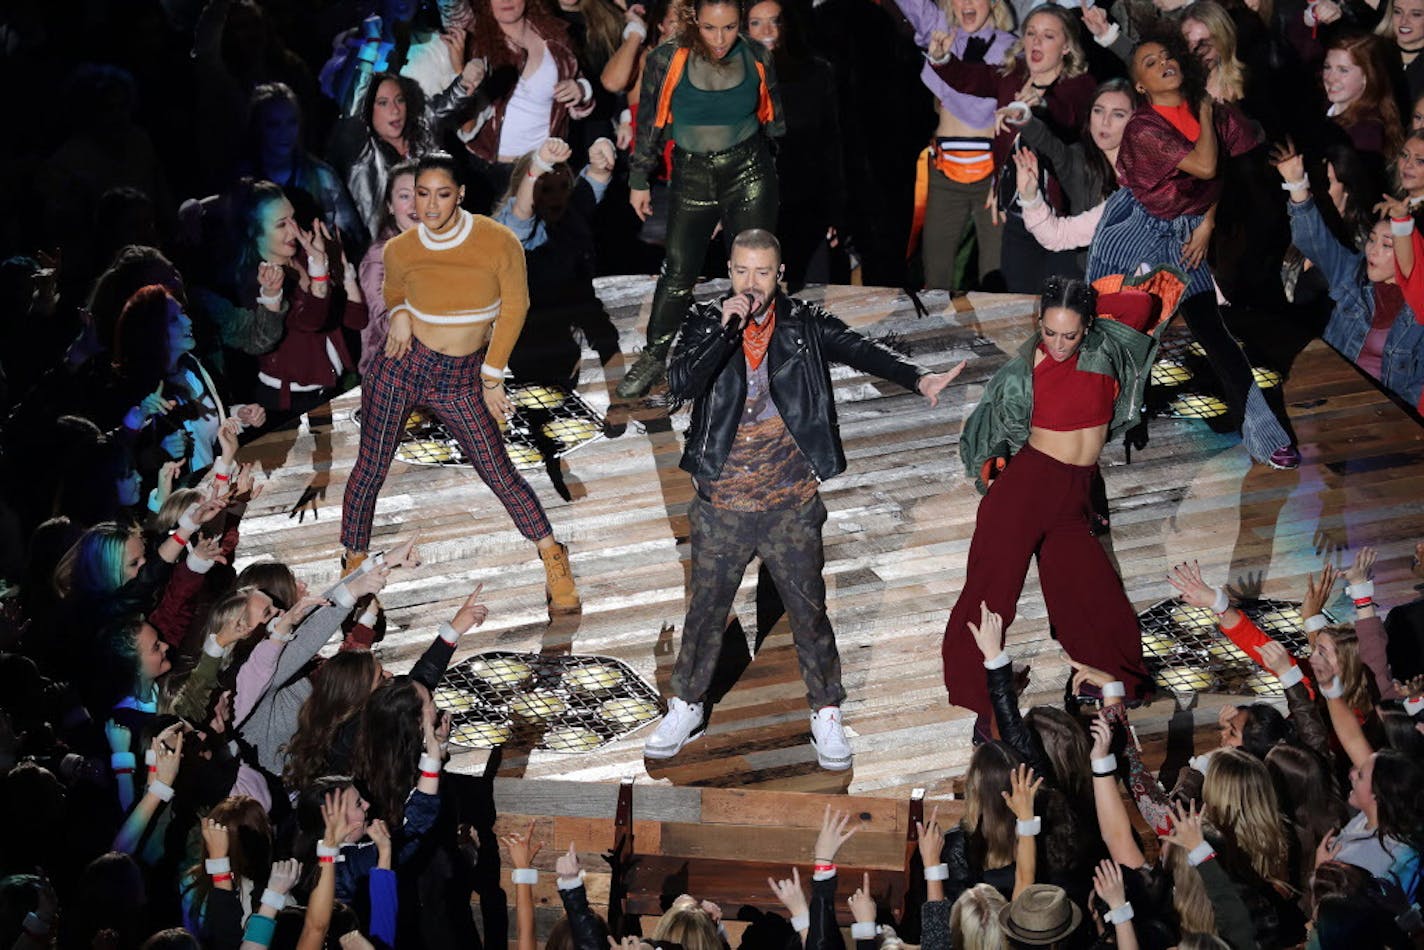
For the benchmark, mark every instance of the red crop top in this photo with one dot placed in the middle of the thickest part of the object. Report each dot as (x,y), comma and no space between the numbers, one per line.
(1066,399)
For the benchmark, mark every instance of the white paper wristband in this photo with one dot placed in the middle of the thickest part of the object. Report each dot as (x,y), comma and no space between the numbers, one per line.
(1332,689)
(1414,706)
(212,648)
(1292,677)
(569,883)
(524,876)
(1301,185)
(937,872)
(274,899)
(538,162)
(998,662)
(1107,763)
(161,790)
(1315,622)
(1201,853)
(1119,915)
(1029,828)
(316,269)
(1366,588)
(863,930)
(430,763)
(1222,603)
(150,757)
(448,634)
(1114,690)
(1401,229)
(221,865)
(801,922)
(634,28)
(186,524)
(324,850)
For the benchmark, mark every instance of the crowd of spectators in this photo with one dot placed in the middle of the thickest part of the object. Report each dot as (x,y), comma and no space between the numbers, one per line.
(196,195)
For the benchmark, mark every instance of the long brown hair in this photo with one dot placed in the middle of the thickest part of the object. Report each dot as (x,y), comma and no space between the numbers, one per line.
(1354,677)
(389,745)
(249,845)
(986,814)
(339,693)
(1377,101)
(1306,792)
(486,40)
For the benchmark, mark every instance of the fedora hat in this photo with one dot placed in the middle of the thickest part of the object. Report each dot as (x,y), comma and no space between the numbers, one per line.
(1040,915)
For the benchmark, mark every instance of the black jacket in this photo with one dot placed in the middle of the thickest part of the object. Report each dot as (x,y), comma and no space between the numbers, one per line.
(707,367)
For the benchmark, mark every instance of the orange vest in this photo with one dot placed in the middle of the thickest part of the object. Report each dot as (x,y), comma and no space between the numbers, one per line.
(765,112)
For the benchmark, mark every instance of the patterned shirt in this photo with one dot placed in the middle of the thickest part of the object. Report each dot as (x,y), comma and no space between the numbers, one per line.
(1152,147)
(765,470)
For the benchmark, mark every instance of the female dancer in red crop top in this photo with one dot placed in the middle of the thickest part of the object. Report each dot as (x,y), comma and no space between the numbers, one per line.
(1053,407)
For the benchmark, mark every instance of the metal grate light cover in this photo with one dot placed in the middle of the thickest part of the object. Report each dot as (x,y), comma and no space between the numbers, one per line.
(1184,385)
(558,703)
(547,422)
(1183,649)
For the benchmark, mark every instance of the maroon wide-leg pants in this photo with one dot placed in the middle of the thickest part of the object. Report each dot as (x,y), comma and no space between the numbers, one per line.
(1039,505)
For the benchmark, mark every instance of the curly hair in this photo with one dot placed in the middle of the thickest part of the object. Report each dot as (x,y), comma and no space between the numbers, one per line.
(688,35)
(416,132)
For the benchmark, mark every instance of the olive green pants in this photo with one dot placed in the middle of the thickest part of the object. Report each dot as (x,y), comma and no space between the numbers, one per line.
(737,187)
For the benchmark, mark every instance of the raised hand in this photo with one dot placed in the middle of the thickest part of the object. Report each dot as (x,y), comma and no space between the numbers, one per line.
(1412,688)
(380,834)
(940,44)
(554,151)
(284,875)
(1187,579)
(1328,848)
(1186,826)
(1022,789)
(251,414)
(1363,567)
(602,156)
(293,616)
(567,864)
(1026,163)
(269,280)
(1390,206)
(931,839)
(1102,733)
(1288,161)
(1318,590)
(209,549)
(154,404)
(1275,658)
(215,843)
(833,834)
(472,613)
(1091,675)
(522,847)
(989,634)
(1107,883)
(862,905)
(247,488)
(167,749)
(472,73)
(1095,18)
(788,891)
(369,582)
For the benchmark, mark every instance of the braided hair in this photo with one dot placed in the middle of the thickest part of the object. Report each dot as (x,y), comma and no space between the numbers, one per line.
(1071,293)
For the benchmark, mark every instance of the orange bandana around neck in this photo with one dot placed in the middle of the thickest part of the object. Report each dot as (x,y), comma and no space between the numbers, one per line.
(756,337)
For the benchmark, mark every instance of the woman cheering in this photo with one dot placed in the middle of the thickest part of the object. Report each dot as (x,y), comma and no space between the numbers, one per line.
(455,287)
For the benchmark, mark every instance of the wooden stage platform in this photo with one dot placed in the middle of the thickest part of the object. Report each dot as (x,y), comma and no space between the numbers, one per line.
(896,541)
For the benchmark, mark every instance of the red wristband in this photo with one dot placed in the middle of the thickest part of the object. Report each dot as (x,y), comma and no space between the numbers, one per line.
(152,770)
(823,867)
(224,878)
(1364,602)
(221,478)
(123,771)
(182,541)
(429,774)
(327,859)
(322,279)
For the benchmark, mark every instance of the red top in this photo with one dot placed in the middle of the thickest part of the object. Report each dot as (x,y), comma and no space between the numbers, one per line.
(1066,399)
(1153,147)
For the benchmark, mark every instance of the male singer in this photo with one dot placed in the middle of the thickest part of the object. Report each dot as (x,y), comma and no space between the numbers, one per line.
(763,437)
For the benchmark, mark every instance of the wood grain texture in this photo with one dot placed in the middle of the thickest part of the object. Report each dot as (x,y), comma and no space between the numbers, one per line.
(900,521)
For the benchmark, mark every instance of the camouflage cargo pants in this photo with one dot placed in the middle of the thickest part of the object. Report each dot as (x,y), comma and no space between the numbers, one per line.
(789,542)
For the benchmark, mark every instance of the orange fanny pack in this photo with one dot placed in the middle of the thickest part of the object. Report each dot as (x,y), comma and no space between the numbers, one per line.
(965,160)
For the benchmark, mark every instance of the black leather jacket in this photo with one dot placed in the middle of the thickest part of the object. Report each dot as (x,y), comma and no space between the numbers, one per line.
(706,367)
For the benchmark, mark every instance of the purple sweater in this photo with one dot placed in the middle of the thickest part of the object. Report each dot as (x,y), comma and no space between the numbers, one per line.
(926,17)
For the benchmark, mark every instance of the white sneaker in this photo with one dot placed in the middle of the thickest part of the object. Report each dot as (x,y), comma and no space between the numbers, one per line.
(681,725)
(828,738)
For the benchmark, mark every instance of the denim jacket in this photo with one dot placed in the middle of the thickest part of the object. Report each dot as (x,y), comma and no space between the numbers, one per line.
(1402,368)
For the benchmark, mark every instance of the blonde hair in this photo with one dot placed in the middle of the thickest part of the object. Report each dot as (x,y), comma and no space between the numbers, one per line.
(1230,72)
(1075,61)
(1189,897)
(1241,802)
(688,926)
(173,507)
(974,919)
(999,14)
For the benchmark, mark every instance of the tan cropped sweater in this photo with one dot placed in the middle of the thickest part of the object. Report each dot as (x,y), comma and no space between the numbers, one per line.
(470,274)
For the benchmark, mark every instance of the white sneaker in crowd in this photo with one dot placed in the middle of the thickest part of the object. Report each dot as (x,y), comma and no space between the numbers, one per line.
(682,724)
(828,738)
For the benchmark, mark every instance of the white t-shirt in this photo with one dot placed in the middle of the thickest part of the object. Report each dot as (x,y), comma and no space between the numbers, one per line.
(526,117)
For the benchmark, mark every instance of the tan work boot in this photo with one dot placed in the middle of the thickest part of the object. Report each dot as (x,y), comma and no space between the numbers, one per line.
(351,561)
(559,588)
